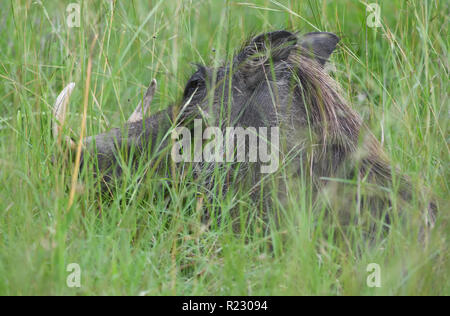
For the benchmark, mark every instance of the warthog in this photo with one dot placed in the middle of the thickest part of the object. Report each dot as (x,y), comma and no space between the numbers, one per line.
(276,80)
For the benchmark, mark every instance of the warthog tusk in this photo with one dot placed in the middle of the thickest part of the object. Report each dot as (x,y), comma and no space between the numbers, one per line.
(60,110)
(142,109)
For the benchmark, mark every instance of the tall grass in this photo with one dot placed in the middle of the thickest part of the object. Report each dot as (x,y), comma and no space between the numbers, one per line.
(150,239)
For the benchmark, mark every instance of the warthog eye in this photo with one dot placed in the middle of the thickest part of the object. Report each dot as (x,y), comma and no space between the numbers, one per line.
(191,87)
(197,82)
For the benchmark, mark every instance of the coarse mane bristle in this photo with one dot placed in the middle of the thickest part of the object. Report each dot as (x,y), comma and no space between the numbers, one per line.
(332,118)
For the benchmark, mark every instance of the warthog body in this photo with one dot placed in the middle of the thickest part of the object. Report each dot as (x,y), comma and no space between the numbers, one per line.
(278,80)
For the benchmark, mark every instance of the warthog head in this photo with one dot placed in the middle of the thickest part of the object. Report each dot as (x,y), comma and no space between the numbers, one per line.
(277,80)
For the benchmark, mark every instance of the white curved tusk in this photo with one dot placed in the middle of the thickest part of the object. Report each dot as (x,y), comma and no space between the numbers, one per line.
(141,110)
(60,110)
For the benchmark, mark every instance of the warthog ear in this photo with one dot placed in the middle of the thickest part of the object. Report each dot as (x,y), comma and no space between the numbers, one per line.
(319,45)
(276,45)
(259,51)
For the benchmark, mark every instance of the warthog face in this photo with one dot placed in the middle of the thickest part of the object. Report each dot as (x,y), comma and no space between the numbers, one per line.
(276,80)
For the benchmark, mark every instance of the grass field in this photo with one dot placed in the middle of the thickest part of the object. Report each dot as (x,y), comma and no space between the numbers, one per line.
(153,242)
